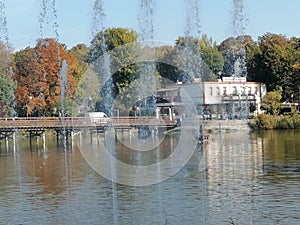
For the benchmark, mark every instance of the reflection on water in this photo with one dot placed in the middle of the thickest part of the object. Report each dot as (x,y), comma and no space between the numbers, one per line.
(251,178)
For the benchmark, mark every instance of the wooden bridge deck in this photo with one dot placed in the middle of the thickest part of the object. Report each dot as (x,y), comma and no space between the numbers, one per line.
(78,123)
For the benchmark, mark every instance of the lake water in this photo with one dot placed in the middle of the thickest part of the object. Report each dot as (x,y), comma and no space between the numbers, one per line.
(250,178)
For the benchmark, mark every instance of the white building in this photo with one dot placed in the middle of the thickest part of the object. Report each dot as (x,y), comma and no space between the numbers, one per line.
(228,98)
(233,97)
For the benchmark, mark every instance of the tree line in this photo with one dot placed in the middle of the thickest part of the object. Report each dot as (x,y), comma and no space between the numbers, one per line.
(31,79)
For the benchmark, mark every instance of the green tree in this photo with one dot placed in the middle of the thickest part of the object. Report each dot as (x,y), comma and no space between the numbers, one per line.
(233,50)
(87,92)
(7,85)
(121,45)
(201,57)
(165,65)
(271,102)
(253,53)
(80,52)
(188,57)
(211,55)
(7,89)
(295,86)
(110,39)
(276,63)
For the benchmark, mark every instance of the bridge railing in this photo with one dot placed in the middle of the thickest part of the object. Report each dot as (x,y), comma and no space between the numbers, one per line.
(142,121)
(81,122)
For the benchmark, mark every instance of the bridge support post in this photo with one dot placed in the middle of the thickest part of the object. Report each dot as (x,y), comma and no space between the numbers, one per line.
(64,137)
(6,135)
(44,141)
(37,134)
(14,141)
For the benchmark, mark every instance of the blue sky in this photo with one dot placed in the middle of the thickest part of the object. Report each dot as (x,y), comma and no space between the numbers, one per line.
(74,19)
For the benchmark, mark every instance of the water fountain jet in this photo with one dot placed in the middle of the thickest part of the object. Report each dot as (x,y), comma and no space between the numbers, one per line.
(102,67)
(239,27)
(3,24)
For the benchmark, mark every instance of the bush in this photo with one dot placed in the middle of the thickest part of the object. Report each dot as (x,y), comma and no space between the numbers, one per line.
(266,122)
(296,121)
(285,122)
(263,122)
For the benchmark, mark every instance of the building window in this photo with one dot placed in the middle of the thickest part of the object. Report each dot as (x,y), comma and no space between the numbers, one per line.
(224,91)
(243,90)
(256,90)
(249,90)
(234,92)
(218,91)
(210,91)
(236,107)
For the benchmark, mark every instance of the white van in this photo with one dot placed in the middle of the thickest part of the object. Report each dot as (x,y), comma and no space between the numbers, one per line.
(98,117)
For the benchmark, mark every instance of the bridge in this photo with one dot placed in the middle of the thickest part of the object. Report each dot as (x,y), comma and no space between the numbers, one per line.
(38,125)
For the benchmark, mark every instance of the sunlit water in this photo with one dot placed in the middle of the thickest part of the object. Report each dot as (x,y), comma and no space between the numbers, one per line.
(254,178)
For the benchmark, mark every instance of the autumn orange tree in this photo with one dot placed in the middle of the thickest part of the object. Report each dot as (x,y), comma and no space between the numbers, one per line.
(37,74)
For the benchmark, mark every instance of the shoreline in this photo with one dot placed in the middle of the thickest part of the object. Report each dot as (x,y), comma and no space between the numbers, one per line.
(228,125)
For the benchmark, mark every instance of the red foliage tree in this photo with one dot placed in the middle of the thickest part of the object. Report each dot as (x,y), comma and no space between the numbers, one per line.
(38,77)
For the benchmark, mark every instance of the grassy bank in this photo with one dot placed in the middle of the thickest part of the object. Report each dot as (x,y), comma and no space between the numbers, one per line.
(267,122)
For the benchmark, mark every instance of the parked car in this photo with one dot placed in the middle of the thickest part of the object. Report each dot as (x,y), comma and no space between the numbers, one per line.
(98,117)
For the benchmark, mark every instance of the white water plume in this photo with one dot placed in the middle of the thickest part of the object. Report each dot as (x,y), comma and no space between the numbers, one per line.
(239,18)
(239,28)
(102,64)
(147,81)
(48,19)
(98,18)
(145,19)
(3,24)
(192,18)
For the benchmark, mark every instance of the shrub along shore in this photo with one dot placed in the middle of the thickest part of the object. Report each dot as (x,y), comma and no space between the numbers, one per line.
(268,122)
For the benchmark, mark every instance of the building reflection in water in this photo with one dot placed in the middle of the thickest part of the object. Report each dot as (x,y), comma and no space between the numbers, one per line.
(234,168)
